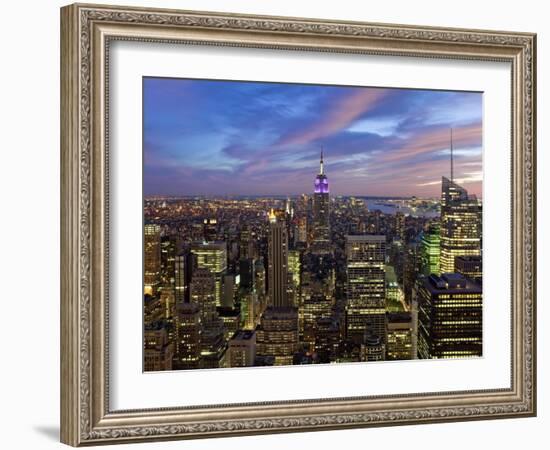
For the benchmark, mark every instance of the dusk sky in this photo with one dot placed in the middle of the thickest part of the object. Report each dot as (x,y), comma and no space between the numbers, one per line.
(206,137)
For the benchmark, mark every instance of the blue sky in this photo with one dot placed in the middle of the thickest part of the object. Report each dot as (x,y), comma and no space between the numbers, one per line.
(207,137)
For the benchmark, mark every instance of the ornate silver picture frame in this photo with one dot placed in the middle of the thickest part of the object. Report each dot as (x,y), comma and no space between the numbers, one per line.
(87,32)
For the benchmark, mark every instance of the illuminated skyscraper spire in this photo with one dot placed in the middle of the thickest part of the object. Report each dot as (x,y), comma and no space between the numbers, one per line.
(272,216)
(321,228)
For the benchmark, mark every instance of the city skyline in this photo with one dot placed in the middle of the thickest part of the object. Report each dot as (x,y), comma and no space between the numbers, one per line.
(210,138)
(318,278)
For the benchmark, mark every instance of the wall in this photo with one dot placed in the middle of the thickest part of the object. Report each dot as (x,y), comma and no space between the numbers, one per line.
(29,181)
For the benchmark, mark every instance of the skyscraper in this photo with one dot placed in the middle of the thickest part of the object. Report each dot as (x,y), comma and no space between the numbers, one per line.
(400,340)
(212,256)
(277,277)
(168,247)
(460,225)
(318,286)
(366,301)
(151,260)
(431,251)
(202,292)
(277,334)
(294,268)
(470,267)
(400,225)
(247,243)
(180,270)
(188,336)
(210,229)
(321,225)
(449,317)
(242,348)
(157,350)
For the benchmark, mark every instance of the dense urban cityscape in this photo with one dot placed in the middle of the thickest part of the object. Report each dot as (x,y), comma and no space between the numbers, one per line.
(242,281)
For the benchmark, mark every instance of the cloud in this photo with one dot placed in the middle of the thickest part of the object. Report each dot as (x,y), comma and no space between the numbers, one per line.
(344,111)
(208,137)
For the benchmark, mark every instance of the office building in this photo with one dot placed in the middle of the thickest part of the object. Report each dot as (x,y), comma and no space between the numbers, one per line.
(203,293)
(151,260)
(188,336)
(372,348)
(399,342)
(277,334)
(180,277)
(242,348)
(365,286)
(470,267)
(460,225)
(277,262)
(431,251)
(449,317)
(157,350)
(212,256)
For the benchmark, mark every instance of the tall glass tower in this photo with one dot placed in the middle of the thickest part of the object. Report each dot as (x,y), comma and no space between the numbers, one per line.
(460,225)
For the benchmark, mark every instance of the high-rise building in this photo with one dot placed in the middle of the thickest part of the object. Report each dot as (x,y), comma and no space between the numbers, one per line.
(151,260)
(431,240)
(259,277)
(372,348)
(327,339)
(242,349)
(247,243)
(157,350)
(212,256)
(247,271)
(231,318)
(314,308)
(294,266)
(188,336)
(470,267)
(203,292)
(180,278)
(449,317)
(277,334)
(250,310)
(317,291)
(460,225)
(210,229)
(301,233)
(229,290)
(399,343)
(400,225)
(277,262)
(412,267)
(321,203)
(366,302)
(168,248)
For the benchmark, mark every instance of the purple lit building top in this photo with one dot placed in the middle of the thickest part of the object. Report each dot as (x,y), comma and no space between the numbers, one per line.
(321,184)
(321,180)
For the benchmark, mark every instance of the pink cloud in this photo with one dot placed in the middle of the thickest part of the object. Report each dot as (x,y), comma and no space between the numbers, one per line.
(436,140)
(339,117)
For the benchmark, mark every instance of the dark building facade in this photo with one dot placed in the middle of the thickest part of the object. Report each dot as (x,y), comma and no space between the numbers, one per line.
(449,317)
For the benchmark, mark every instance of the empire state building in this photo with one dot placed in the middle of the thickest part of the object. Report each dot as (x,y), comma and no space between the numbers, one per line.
(321,226)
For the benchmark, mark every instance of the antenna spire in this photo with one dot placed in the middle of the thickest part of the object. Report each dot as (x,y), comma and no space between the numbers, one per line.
(322,169)
(452,162)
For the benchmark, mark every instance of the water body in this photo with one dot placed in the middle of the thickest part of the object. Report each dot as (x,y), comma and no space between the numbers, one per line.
(387,207)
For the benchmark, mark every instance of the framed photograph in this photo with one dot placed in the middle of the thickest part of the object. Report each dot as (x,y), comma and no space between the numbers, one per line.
(276,225)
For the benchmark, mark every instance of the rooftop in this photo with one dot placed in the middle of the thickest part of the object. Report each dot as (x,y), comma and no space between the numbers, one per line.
(243,335)
(451,283)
